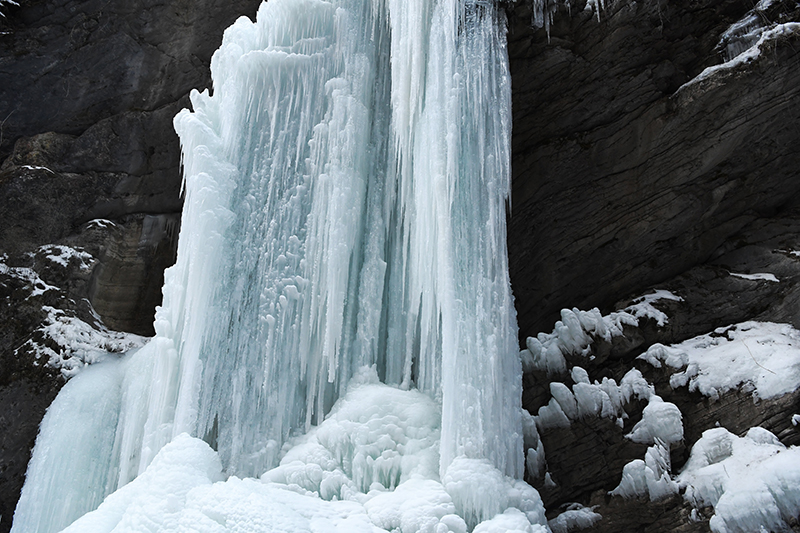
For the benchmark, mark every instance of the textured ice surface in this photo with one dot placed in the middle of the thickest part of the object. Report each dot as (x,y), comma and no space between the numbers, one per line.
(574,332)
(346,187)
(575,517)
(763,354)
(72,464)
(650,477)
(752,482)
(371,466)
(603,399)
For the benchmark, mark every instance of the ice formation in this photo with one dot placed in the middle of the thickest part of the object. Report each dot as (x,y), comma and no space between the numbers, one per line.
(752,482)
(575,332)
(343,230)
(649,477)
(763,356)
(575,517)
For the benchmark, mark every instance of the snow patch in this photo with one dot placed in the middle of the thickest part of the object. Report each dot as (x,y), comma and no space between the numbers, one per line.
(748,55)
(756,277)
(575,517)
(752,482)
(79,344)
(62,255)
(34,283)
(33,167)
(763,354)
(101,223)
(642,307)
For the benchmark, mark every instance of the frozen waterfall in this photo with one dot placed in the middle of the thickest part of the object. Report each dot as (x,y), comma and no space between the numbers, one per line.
(340,314)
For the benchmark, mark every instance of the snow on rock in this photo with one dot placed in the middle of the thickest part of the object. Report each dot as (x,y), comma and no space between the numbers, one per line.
(750,54)
(762,354)
(33,282)
(752,482)
(63,341)
(575,332)
(78,344)
(757,277)
(62,255)
(642,307)
(101,223)
(744,33)
(574,518)
(511,521)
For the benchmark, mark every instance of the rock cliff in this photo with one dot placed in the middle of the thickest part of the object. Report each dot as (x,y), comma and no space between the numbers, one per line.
(643,158)
(634,168)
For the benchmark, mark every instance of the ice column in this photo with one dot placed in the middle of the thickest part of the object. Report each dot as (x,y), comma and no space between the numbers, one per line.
(451,129)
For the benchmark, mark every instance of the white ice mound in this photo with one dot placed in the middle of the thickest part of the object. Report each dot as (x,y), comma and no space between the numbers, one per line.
(375,438)
(371,466)
(752,482)
(155,500)
(661,422)
(481,492)
(763,355)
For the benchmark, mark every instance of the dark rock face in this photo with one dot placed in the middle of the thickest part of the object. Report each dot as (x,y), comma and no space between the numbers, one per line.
(627,177)
(623,179)
(585,459)
(88,91)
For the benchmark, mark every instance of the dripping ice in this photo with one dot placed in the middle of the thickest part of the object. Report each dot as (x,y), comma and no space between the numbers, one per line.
(339,323)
